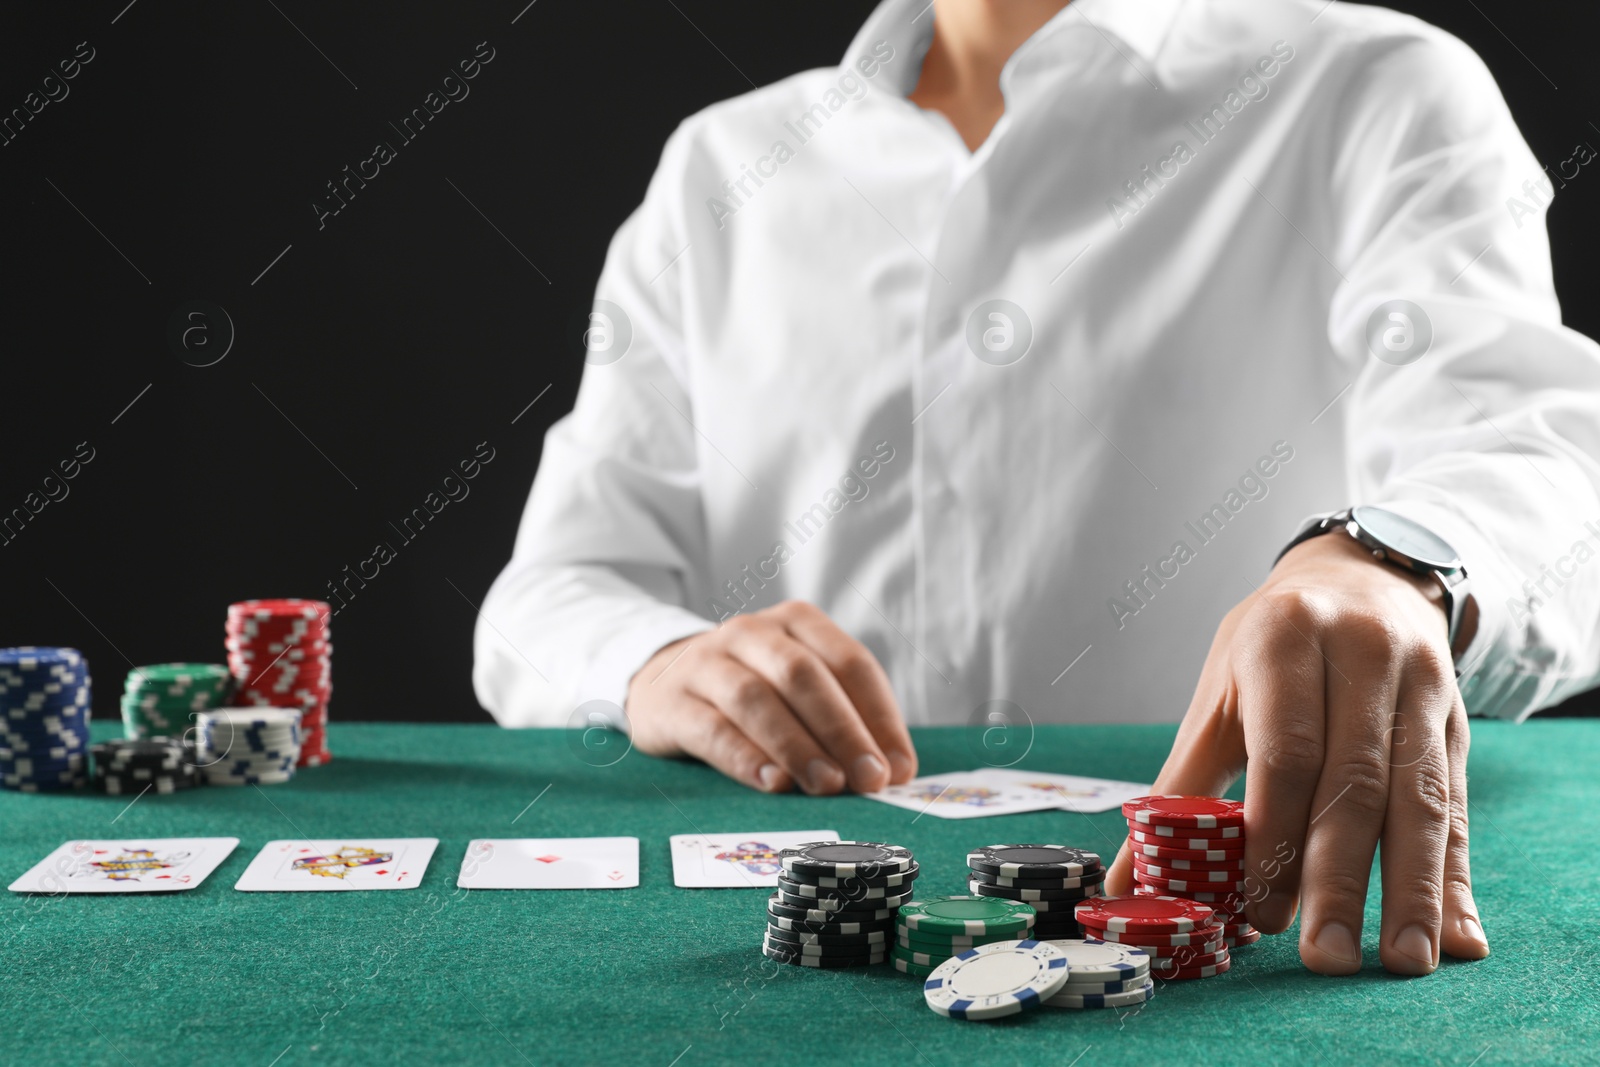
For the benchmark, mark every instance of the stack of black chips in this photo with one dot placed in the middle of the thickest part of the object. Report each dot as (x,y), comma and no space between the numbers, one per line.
(1051,878)
(157,764)
(836,903)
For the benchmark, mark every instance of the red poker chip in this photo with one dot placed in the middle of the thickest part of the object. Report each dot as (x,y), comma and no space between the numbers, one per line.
(1187,812)
(1148,914)
(1232,863)
(1185,886)
(1184,974)
(1209,945)
(272,607)
(1228,874)
(1174,836)
(1203,855)
(1201,936)
(1178,962)
(1241,940)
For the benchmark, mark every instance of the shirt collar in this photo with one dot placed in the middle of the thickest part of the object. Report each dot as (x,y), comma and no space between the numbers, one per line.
(1135,27)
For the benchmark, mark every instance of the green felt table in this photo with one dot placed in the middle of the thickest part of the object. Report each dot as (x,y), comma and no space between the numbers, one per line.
(661,975)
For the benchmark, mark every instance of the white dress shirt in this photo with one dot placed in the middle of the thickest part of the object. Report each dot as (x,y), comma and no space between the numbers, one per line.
(1194,216)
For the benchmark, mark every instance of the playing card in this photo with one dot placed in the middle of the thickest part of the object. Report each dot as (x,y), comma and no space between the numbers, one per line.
(338,864)
(551,863)
(735,861)
(1072,792)
(964,795)
(150,865)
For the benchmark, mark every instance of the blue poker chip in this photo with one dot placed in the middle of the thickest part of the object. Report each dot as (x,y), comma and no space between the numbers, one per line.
(44,718)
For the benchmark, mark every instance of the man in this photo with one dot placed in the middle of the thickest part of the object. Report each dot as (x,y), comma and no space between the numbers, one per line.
(1003,360)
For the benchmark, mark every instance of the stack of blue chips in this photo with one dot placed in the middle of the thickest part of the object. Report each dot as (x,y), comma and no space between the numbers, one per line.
(44,719)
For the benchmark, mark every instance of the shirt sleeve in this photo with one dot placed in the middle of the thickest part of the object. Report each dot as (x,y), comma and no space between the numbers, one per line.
(1490,436)
(613,534)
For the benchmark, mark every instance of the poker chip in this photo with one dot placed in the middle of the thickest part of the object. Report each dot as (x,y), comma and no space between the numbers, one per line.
(834,952)
(280,654)
(844,859)
(828,913)
(1200,813)
(160,700)
(951,945)
(1166,952)
(1125,999)
(983,889)
(1143,914)
(44,719)
(808,912)
(137,766)
(1213,855)
(882,881)
(1033,861)
(993,981)
(907,967)
(1170,886)
(836,904)
(969,916)
(1074,882)
(1240,940)
(783,955)
(1232,873)
(1186,837)
(811,926)
(1184,974)
(851,890)
(1218,902)
(247,746)
(1185,959)
(802,937)
(1093,961)
(1145,940)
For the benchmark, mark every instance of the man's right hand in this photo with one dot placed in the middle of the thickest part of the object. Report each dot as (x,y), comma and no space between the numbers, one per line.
(772,699)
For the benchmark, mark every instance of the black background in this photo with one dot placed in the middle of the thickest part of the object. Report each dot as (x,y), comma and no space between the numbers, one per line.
(381,349)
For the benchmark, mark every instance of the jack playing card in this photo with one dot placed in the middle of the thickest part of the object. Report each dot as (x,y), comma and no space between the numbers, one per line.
(338,865)
(151,865)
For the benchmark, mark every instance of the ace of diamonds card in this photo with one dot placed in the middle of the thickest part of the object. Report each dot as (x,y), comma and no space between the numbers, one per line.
(551,863)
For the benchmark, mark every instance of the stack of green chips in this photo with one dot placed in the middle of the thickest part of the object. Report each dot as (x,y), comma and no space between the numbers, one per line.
(928,932)
(160,700)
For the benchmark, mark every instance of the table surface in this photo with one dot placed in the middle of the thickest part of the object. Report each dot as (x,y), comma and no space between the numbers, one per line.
(664,975)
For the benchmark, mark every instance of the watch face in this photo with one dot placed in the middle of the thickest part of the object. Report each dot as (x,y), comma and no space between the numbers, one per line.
(1400,534)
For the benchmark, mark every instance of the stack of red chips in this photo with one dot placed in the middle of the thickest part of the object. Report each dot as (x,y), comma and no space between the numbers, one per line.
(281,656)
(1182,937)
(1193,847)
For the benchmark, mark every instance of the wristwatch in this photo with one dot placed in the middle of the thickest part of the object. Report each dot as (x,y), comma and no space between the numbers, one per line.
(1408,545)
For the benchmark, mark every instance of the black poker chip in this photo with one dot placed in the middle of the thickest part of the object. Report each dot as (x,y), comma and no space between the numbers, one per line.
(1034,861)
(810,910)
(843,859)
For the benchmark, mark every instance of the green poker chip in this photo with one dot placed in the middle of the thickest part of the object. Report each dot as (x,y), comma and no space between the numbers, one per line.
(966,916)
(161,699)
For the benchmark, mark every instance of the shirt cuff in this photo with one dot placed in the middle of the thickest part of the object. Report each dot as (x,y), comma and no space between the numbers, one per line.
(614,666)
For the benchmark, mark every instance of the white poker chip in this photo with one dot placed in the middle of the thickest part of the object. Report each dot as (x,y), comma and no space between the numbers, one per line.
(1103,1000)
(1091,960)
(993,981)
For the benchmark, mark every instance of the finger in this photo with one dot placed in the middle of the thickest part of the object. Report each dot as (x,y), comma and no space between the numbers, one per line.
(1206,756)
(707,734)
(1461,934)
(1417,829)
(865,682)
(1351,801)
(804,682)
(751,705)
(1280,671)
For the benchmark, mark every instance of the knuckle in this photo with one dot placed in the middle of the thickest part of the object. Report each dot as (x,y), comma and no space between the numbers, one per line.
(1363,786)
(1423,894)
(747,692)
(796,672)
(1339,887)
(1292,750)
(1457,884)
(1428,788)
(1458,829)
(1305,610)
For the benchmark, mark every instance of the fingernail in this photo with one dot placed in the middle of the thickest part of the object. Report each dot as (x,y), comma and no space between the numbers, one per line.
(1473,929)
(902,767)
(768,776)
(1336,940)
(1415,943)
(868,773)
(823,777)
